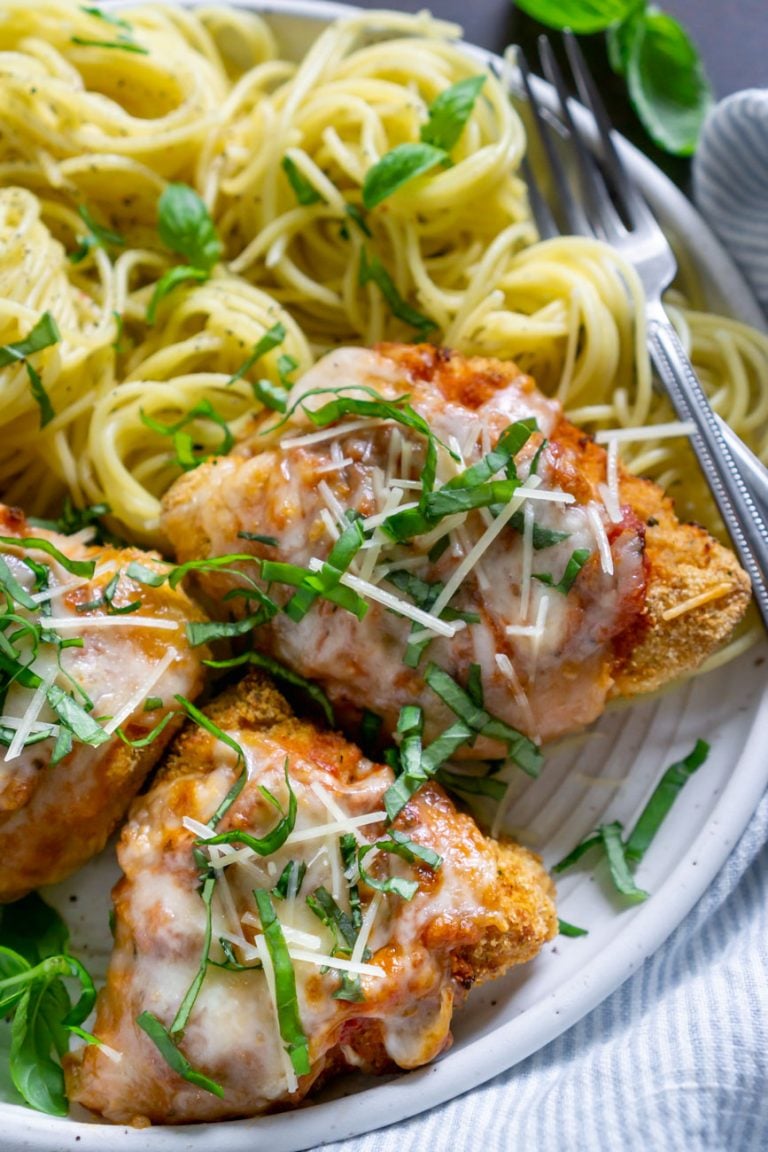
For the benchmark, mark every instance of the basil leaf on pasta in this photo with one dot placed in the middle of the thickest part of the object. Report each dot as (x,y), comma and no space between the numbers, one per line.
(397,167)
(185,226)
(170,280)
(449,112)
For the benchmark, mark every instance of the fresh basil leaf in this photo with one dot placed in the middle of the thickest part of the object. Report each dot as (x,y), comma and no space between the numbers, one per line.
(40,544)
(471,785)
(170,280)
(449,112)
(288,1017)
(271,395)
(185,226)
(145,741)
(32,928)
(577,15)
(272,338)
(304,192)
(398,166)
(666,81)
(398,844)
(143,574)
(175,1059)
(36,1075)
(72,519)
(356,216)
(373,271)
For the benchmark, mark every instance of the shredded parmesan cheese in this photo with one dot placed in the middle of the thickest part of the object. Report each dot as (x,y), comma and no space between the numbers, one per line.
(80,623)
(603,547)
(140,694)
(363,936)
(716,592)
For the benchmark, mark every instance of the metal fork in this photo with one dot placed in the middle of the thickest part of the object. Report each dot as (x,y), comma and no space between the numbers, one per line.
(737,479)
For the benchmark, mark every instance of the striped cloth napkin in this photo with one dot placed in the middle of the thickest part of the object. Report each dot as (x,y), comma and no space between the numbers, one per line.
(676,1060)
(730,176)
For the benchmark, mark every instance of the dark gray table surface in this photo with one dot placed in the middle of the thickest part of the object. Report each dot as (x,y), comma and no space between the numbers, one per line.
(732,37)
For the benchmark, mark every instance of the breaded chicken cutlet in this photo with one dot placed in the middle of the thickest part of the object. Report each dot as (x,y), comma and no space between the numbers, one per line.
(86,650)
(417,510)
(344,940)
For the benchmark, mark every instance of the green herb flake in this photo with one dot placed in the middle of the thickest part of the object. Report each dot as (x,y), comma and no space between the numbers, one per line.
(288,1016)
(171,279)
(187,456)
(121,44)
(269,844)
(175,1059)
(97,236)
(271,339)
(662,799)
(372,271)
(575,564)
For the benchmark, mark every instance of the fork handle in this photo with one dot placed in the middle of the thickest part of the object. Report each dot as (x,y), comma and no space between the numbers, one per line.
(741,510)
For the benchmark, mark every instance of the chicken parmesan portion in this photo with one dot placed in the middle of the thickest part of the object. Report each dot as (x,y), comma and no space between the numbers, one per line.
(275,925)
(429,529)
(93,655)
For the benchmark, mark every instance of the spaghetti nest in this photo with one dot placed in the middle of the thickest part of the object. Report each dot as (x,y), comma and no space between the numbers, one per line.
(103,111)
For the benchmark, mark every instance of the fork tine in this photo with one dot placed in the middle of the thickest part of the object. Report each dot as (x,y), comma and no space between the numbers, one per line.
(630,200)
(575,218)
(603,219)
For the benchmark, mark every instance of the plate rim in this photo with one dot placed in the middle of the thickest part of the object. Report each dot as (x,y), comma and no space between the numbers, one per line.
(412,1093)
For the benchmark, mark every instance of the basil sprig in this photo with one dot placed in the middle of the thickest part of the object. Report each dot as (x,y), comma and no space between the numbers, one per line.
(665,78)
(446,118)
(186,228)
(34,963)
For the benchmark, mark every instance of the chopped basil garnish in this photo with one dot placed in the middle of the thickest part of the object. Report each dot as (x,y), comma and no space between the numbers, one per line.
(264,845)
(566,929)
(175,1059)
(575,564)
(304,192)
(171,279)
(279,672)
(621,854)
(372,271)
(97,236)
(44,334)
(541,537)
(519,748)
(398,844)
(208,725)
(291,878)
(335,918)
(186,456)
(258,538)
(407,889)
(288,1018)
(181,1018)
(271,339)
(662,799)
(472,785)
(116,21)
(324,583)
(122,44)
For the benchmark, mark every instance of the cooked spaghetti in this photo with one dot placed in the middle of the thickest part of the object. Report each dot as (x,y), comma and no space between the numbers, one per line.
(103,110)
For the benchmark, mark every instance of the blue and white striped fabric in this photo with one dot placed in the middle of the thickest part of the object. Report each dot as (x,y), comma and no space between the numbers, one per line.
(731,181)
(675,1061)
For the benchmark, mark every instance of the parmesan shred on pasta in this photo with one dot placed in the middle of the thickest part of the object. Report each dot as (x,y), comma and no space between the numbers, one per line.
(140,370)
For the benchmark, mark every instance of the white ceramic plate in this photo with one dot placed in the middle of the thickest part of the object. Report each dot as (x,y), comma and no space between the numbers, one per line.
(605,775)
